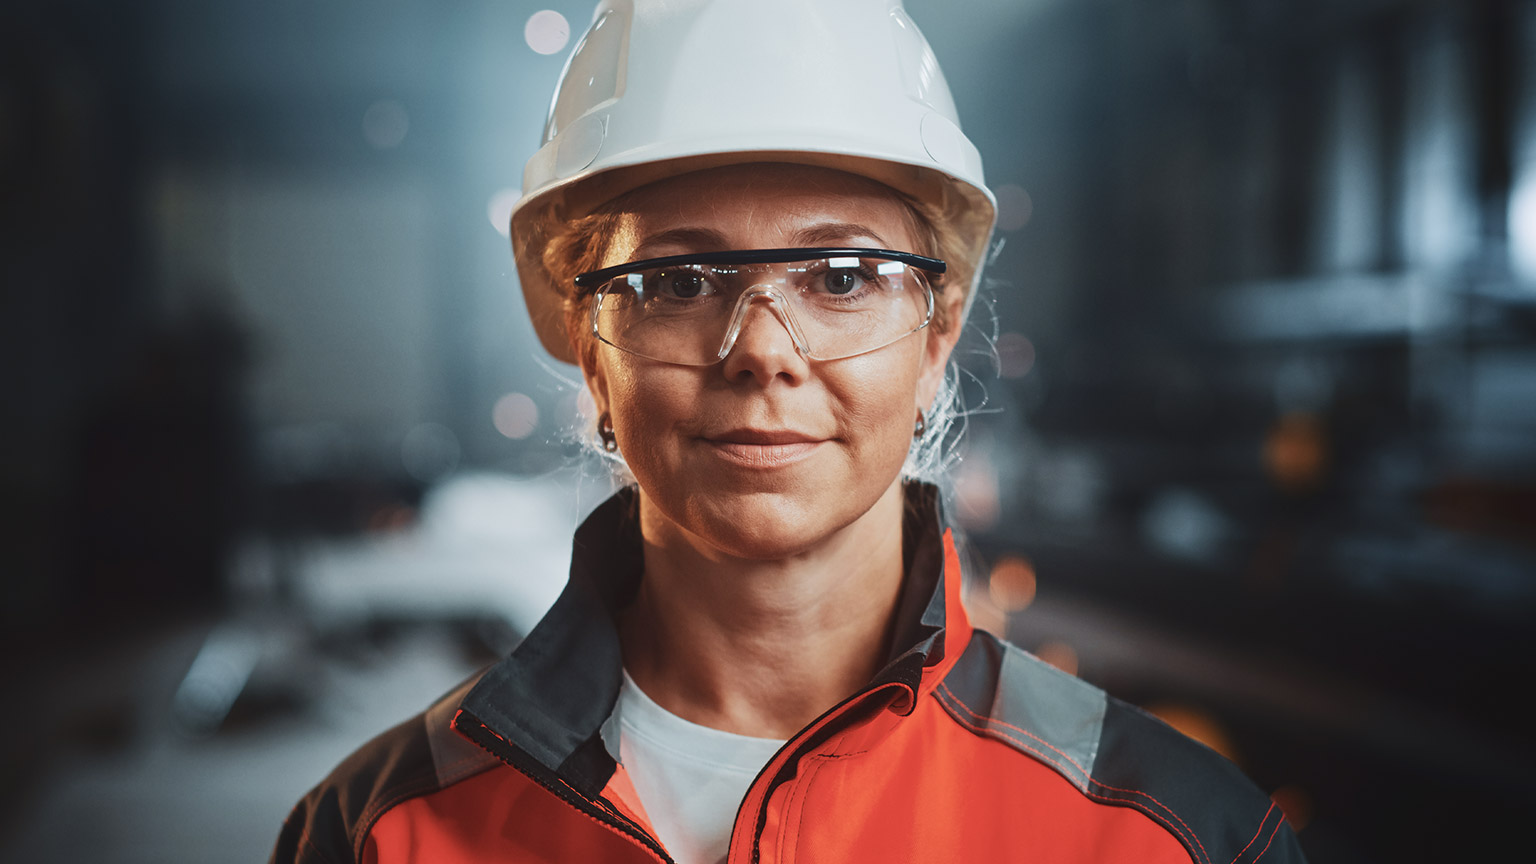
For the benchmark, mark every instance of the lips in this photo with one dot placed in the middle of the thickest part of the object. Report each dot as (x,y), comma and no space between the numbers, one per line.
(761,436)
(762,448)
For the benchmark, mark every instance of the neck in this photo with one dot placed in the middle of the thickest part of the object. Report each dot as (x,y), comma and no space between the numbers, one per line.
(760,647)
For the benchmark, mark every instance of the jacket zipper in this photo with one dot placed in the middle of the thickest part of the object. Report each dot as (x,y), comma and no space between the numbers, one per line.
(489,741)
(834,725)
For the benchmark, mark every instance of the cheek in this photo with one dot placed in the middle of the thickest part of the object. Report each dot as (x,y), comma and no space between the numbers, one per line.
(648,406)
(880,401)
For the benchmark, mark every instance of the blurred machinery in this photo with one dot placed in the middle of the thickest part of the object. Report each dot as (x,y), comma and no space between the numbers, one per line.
(1267,345)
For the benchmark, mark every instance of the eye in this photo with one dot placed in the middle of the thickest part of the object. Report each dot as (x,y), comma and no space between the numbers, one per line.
(842,281)
(682,284)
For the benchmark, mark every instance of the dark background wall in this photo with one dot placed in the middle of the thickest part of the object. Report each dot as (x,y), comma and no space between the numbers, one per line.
(1255,378)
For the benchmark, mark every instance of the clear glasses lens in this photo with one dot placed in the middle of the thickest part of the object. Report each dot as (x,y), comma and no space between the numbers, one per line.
(832,307)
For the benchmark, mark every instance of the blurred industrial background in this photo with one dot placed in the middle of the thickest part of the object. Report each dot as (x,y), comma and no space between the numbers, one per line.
(1254,442)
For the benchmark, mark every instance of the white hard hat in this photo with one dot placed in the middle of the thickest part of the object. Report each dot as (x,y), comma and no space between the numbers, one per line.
(657,89)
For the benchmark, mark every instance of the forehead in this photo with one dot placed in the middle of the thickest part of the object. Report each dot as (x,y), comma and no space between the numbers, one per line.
(760,206)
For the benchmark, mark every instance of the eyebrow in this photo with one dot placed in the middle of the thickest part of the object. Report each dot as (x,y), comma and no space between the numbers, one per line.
(836,234)
(710,240)
(692,239)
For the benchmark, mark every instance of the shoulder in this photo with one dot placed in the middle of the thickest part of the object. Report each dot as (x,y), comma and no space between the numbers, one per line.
(417,757)
(1115,754)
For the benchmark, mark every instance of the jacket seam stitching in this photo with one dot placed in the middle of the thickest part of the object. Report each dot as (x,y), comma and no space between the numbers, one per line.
(1169,810)
(832,757)
(1271,840)
(991,721)
(1256,832)
(1087,775)
(1184,834)
(1154,814)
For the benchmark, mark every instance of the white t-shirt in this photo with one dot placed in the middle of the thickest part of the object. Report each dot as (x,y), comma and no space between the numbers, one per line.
(690,778)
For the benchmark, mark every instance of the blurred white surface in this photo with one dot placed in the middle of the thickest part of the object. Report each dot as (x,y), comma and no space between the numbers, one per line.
(484,544)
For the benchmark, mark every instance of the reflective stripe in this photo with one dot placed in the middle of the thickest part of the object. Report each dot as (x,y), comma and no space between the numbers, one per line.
(1064,712)
(1014,696)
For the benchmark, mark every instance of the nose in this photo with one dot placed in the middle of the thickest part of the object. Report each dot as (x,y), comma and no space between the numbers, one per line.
(762,342)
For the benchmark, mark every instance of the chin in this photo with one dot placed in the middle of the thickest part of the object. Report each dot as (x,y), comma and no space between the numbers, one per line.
(760,524)
(775,514)
(767,525)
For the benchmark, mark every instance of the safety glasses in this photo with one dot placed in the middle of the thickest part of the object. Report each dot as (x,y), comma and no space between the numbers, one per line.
(690,309)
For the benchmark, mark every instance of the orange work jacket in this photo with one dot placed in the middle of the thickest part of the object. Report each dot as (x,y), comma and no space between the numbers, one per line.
(963,748)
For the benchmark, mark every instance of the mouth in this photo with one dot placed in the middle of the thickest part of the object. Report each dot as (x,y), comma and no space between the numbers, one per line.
(762,448)
(763,437)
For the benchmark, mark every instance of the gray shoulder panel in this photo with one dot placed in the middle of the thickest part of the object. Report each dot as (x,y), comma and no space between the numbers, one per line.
(1116,754)
(1007,693)
(1062,711)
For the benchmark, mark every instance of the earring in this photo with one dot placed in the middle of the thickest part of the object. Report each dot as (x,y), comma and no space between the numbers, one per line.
(921,426)
(605,432)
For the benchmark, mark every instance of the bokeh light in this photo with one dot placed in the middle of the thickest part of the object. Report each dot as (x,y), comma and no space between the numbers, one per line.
(385,124)
(983,613)
(1296,804)
(1522,225)
(429,451)
(1296,452)
(1012,584)
(586,408)
(978,498)
(515,416)
(547,31)
(1015,355)
(1182,523)
(1198,724)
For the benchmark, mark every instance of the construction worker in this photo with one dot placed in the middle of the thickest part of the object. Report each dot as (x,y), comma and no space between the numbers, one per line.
(757,228)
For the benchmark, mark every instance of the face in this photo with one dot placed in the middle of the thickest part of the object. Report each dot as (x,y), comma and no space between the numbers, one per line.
(764,454)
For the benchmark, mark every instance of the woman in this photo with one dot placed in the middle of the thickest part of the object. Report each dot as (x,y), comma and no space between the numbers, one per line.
(761,654)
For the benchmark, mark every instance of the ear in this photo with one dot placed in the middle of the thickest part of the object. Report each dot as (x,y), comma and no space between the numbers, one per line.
(935,361)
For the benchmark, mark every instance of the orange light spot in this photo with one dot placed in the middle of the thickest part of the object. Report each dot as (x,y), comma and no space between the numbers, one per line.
(1198,724)
(1012,584)
(1296,804)
(1296,452)
(977,493)
(391,517)
(984,614)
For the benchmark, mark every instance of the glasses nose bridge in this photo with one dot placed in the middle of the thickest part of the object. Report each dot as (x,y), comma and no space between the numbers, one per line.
(779,309)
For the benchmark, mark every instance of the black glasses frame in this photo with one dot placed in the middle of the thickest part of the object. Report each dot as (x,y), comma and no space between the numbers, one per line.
(598,278)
